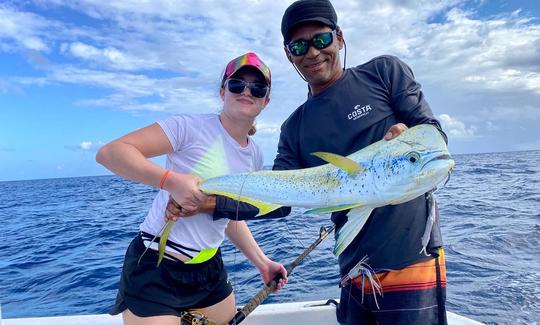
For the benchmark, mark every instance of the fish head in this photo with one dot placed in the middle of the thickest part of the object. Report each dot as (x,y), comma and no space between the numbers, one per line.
(411,165)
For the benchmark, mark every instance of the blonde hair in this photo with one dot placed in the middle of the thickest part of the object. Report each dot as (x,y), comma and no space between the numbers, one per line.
(252,130)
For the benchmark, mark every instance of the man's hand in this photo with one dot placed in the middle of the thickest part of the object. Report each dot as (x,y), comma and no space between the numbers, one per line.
(394,131)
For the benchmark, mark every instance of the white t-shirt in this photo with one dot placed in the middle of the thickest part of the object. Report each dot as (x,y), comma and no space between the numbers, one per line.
(201,147)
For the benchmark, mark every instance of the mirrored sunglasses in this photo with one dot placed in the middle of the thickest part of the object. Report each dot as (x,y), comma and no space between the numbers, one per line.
(319,41)
(237,86)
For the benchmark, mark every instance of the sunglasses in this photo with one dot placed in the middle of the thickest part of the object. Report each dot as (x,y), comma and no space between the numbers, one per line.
(237,86)
(319,41)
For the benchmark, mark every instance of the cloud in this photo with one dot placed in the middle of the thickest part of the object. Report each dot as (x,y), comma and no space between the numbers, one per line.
(268,129)
(22,30)
(163,56)
(108,57)
(194,39)
(456,129)
(490,54)
(86,146)
(508,114)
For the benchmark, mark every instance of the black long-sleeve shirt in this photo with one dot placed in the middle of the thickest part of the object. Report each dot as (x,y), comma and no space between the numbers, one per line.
(353,113)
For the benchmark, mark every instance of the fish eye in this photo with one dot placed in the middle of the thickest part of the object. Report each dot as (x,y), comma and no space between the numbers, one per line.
(413,157)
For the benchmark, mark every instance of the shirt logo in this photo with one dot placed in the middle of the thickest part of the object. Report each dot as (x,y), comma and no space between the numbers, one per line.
(358,112)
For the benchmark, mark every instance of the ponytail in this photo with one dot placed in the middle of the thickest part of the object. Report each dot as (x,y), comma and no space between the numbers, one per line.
(252,130)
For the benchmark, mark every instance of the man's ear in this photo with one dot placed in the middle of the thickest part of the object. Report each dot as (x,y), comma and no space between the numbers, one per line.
(289,57)
(339,36)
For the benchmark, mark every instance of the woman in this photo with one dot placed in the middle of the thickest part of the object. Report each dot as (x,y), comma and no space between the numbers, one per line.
(191,276)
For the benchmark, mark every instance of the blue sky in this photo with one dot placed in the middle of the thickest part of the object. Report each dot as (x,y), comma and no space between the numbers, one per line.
(77,74)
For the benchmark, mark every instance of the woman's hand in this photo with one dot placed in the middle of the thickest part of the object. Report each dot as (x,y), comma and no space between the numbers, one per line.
(270,270)
(184,190)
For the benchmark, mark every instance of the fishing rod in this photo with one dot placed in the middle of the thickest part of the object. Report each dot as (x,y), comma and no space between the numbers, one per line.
(265,292)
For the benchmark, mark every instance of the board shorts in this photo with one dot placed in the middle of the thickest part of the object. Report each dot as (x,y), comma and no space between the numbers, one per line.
(413,295)
(170,289)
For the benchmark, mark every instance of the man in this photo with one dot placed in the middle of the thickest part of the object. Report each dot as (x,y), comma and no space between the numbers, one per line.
(347,110)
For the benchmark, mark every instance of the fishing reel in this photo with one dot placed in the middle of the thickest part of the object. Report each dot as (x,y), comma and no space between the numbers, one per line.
(194,318)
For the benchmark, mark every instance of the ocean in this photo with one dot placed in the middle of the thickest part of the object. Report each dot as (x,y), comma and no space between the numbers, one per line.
(63,241)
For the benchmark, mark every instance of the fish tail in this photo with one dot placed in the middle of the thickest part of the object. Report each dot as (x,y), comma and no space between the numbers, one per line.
(163,241)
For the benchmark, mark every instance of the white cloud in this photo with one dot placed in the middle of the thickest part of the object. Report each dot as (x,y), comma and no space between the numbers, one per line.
(87,146)
(108,57)
(268,129)
(471,54)
(167,56)
(507,114)
(21,30)
(456,129)
(492,127)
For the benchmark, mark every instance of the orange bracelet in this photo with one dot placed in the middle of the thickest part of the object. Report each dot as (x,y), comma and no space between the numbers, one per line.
(164,178)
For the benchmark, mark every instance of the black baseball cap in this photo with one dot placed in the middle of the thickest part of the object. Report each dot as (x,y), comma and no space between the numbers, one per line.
(304,11)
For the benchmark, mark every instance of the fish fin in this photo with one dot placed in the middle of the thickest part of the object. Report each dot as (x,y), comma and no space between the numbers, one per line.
(347,164)
(356,220)
(264,207)
(332,209)
(163,241)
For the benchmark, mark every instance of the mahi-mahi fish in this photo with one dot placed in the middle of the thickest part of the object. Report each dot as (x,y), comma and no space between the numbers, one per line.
(383,173)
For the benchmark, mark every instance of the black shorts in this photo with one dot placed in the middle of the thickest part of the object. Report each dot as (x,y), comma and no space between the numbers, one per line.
(173,287)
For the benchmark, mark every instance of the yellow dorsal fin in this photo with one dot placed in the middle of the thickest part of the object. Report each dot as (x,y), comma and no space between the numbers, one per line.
(348,165)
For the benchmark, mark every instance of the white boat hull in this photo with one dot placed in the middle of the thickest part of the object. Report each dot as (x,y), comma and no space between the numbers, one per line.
(295,313)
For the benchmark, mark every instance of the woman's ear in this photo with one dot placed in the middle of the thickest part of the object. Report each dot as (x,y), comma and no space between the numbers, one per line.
(222,93)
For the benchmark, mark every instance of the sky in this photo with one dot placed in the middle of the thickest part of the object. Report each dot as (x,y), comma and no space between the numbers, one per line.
(77,74)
